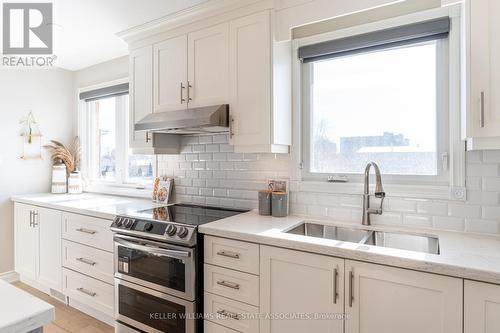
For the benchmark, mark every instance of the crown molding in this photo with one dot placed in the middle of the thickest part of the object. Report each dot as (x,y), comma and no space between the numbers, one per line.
(189,15)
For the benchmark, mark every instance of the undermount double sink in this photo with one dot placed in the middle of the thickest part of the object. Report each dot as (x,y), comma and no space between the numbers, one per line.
(395,240)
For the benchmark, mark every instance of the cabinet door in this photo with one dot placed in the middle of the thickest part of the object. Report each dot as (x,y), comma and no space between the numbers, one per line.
(296,282)
(25,241)
(49,225)
(170,75)
(482,307)
(250,80)
(140,90)
(381,299)
(208,67)
(485,68)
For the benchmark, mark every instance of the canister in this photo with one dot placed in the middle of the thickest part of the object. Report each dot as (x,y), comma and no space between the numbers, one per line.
(279,205)
(265,202)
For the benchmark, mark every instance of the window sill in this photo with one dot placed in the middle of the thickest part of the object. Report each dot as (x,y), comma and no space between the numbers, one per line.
(433,192)
(128,191)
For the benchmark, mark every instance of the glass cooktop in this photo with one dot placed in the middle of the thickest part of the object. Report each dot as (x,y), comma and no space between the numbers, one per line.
(187,214)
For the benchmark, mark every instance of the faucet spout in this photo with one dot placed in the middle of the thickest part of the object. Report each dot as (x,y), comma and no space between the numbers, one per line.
(379,193)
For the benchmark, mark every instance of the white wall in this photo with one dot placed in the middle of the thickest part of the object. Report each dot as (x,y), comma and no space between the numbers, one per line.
(107,71)
(48,93)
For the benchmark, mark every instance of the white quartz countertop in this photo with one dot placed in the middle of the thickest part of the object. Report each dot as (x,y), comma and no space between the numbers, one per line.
(469,256)
(98,205)
(21,312)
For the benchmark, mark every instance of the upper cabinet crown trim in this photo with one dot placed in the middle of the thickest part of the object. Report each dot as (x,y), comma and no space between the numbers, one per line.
(205,10)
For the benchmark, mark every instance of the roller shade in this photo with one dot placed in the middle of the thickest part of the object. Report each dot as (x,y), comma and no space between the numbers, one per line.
(117,90)
(377,40)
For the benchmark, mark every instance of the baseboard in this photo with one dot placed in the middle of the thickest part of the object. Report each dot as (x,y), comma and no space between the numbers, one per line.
(9,277)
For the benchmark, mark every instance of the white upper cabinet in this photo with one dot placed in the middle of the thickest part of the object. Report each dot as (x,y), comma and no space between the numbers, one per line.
(140,94)
(259,121)
(170,75)
(481,307)
(208,67)
(231,59)
(293,282)
(483,50)
(380,299)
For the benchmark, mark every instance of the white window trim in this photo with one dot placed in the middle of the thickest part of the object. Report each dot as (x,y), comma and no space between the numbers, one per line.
(105,187)
(454,189)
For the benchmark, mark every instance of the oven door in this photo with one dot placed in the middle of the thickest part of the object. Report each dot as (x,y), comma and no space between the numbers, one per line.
(166,268)
(152,311)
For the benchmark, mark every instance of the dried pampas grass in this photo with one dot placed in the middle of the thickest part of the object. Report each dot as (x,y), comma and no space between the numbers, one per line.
(70,156)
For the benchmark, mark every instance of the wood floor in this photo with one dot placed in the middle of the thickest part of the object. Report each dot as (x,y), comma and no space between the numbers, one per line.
(68,319)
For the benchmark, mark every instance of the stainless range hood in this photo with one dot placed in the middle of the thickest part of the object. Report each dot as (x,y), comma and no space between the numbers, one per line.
(202,120)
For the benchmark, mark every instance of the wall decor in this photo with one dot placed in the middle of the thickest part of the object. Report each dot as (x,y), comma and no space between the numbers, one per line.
(32,138)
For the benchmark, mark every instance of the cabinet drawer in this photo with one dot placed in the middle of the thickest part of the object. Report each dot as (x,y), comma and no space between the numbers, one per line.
(232,254)
(214,328)
(232,284)
(232,314)
(91,292)
(88,260)
(88,230)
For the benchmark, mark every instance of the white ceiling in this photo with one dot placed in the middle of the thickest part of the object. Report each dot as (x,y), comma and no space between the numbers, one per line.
(84,30)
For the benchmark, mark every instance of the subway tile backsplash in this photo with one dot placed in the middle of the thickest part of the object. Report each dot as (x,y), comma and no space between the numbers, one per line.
(208,171)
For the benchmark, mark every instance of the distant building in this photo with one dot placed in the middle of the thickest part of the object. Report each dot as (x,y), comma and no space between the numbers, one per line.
(354,144)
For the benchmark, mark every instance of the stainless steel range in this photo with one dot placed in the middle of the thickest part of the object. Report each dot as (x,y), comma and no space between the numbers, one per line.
(158,268)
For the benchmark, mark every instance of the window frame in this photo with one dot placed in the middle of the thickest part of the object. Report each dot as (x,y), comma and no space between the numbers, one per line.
(442,127)
(121,185)
(451,184)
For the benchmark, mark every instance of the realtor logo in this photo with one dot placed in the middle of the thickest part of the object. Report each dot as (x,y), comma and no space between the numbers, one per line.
(27,28)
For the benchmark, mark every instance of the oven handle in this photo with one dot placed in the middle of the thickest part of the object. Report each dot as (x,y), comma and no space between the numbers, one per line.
(154,251)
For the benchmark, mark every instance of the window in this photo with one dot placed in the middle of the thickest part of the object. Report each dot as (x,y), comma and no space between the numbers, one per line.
(386,104)
(106,156)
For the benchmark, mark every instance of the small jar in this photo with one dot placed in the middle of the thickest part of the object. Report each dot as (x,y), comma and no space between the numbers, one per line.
(279,206)
(59,180)
(75,185)
(265,202)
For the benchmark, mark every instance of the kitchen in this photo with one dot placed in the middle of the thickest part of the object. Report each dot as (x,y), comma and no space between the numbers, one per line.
(248,166)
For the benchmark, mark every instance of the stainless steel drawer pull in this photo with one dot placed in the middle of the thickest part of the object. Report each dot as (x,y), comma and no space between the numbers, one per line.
(335,292)
(182,93)
(351,287)
(35,214)
(228,284)
(87,292)
(481,111)
(86,231)
(228,314)
(87,261)
(228,254)
(189,86)
(31,218)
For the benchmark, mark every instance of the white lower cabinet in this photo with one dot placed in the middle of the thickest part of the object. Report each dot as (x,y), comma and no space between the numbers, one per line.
(381,299)
(232,314)
(88,291)
(481,307)
(37,239)
(89,261)
(297,284)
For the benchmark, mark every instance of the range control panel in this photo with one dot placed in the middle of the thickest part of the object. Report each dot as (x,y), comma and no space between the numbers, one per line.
(163,231)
